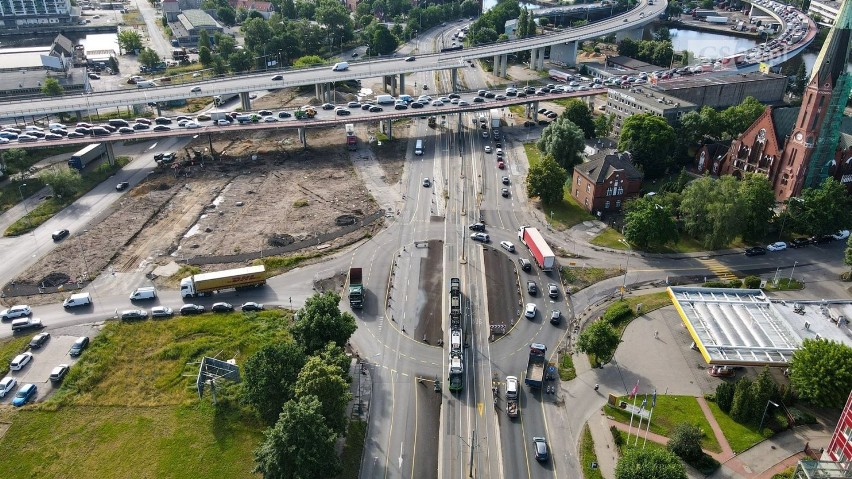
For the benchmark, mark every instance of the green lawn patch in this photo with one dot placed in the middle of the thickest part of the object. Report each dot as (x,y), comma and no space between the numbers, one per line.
(623,447)
(356,434)
(10,193)
(50,207)
(579,277)
(567,371)
(568,212)
(588,456)
(739,437)
(177,441)
(785,284)
(609,238)
(669,412)
(533,154)
(518,110)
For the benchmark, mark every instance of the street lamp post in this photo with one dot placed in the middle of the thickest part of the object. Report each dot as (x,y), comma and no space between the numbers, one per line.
(793,271)
(626,266)
(768,402)
(21,192)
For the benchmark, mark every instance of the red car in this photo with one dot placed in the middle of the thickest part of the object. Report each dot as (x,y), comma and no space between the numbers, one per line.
(501,165)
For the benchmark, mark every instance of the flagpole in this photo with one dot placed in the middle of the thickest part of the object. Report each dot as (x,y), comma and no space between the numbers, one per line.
(632,393)
(639,428)
(650,415)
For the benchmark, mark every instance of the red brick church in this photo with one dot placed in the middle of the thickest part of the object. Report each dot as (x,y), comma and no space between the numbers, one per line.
(798,147)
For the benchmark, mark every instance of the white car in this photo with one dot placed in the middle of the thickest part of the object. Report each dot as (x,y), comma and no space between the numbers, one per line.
(437,103)
(162,312)
(192,125)
(777,246)
(17,311)
(20,361)
(7,385)
(223,122)
(530,311)
(480,237)
(270,119)
(487,149)
(841,235)
(508,246)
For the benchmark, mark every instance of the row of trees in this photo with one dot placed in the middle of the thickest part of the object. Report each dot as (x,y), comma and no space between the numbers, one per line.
(745,400)
(300,387)
(490,26)
(711,124)
(656,52)
(715,211)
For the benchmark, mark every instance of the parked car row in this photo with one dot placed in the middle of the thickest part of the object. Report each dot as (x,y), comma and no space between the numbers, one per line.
(185,310)
(797,243)
(28,392)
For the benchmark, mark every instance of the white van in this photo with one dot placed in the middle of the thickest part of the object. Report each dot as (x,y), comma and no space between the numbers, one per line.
(79,299)
(148,292)
(340,66)
(385,99)
(418,148)
(511,387)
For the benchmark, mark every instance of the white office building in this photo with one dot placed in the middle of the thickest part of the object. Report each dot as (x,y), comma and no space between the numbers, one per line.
(34,13)
(826,9)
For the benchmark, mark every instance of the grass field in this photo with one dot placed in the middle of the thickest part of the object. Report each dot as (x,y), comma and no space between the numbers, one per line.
(579,277)
(610,238)
(649,302)
(671,411)
(129,407)
(11,348)
(739,437)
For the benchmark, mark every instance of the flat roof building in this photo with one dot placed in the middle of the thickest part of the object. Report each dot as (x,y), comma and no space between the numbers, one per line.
(722,91)
(624,103)
(33,13)
(190,23)
(826,9)
(745,327)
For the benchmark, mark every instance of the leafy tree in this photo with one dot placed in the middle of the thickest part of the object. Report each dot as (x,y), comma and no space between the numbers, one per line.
(685,441)
(648,223)
(225,45)
(220,66)
(336,355)
(603,125)
(797,87)
(484,35)
(821,372)
(725,395)
(628,48)
(522,25)
(469,8)
(51,87)
(383,42)
(562,140)
(822,210)
(336,19)
(649,464)
(129,40)
(204,56)
(599,339)
(15,160)
(240,61)
(662,34)
(321,321)
(742,405)
(307,61)
(257,33)
(580,114)
(300,445)
(762,390)
(710,210)
(64,181)
(756,202)
(325,381)
(738,118)
(649,138)
(227,15)
(847,253)
(203,39)
(149,58)
(305,10)
(288,9)
(546,179)
(270,378)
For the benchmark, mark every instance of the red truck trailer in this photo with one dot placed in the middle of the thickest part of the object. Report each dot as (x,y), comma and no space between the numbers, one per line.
(541,252)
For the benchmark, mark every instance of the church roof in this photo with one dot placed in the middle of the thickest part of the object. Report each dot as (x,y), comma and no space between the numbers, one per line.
(831,62)
(598,170)
(783,120)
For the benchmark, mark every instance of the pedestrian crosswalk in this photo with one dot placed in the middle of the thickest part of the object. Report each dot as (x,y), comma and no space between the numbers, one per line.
(719,269)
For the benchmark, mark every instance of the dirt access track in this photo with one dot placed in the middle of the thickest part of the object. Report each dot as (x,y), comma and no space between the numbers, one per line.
(262,190)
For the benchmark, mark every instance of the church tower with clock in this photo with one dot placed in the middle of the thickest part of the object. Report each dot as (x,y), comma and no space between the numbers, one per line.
(810,147)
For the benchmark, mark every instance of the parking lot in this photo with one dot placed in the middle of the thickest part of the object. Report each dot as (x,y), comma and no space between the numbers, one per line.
(51,354)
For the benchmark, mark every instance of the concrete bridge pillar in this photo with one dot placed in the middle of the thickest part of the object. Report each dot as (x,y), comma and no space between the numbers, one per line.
(540,57)
(303,138)
(534,106)
(533,59)
(110,153)
(565,53)
(389,129)
(634,34)
(454,79)
(402,83)
(318,91)
(79,115)
(504,64)
(496,70)
(330,92)
(244,99)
